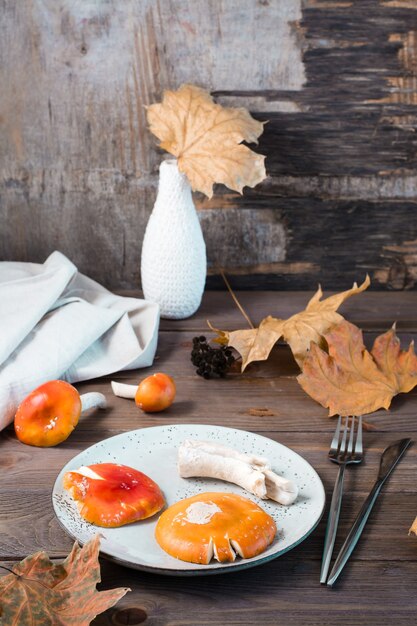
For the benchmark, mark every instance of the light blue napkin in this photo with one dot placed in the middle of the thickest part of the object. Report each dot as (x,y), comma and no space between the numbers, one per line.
(57,323)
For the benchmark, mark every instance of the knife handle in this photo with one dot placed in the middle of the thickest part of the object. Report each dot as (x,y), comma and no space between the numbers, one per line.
(354,533)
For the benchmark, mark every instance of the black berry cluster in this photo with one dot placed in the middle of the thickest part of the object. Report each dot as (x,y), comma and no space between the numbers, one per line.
(210,362)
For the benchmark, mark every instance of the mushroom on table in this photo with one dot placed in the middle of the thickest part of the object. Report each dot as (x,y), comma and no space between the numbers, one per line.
(49,414)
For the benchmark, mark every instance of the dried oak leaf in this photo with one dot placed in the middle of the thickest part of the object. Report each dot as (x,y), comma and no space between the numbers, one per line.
(255,344)
(349,380)
(207,139)
(40,593)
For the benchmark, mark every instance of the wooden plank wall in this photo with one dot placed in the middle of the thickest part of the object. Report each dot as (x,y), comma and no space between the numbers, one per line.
(337,80)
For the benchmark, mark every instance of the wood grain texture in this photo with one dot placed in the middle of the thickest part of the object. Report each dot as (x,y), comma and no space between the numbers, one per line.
(379,582)
(336,81)
(283,594)
(369,310)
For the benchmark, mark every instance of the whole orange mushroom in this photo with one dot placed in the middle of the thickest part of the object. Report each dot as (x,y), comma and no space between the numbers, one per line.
(155,393)
(49,414)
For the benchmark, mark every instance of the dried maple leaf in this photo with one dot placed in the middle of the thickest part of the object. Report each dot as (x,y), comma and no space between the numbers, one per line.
(398,365)
(413,528)
(255,344)
(349,380)
(40,593)
(207,139)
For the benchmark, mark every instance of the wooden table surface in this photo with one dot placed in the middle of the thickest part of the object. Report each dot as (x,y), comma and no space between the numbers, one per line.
(379,583)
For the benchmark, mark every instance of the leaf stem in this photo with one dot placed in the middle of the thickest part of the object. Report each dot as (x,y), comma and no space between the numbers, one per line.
(236,301)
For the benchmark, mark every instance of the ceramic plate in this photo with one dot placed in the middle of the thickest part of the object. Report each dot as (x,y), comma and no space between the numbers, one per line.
(153,451)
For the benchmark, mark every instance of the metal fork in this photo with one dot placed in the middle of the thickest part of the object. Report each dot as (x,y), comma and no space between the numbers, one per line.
(343,456)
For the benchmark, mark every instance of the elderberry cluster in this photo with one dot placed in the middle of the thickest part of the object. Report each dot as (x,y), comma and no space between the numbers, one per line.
(210,362)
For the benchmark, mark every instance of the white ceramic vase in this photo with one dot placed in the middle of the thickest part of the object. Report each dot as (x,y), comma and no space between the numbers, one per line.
(174,264)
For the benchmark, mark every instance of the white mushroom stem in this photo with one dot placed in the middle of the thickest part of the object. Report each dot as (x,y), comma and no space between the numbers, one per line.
(193,462)
(211,460)
(93,400)
(124,391)
(210,447)
(280,489)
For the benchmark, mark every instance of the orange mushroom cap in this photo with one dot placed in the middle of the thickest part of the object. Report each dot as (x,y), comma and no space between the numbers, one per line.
(118,495)
(48,415)
(155,393)
(214,524)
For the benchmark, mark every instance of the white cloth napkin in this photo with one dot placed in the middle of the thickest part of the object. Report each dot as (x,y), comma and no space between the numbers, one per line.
(57,323)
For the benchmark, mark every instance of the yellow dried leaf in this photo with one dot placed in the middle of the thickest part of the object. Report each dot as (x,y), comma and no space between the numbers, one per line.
(207,139)
(413,528)
(349,380)
(255,344)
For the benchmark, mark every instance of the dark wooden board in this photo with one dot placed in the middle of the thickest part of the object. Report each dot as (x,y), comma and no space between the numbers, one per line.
(285,591)
(380,579)
(370,311)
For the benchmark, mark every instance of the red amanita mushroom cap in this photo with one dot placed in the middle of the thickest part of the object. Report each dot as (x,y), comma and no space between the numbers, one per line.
(48,415)
(112,495)
(214,524)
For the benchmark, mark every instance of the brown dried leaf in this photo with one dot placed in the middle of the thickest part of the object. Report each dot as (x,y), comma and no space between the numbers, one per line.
(398,365)
(413,528)
(207,139)
(298,331)
(40,593)
(349,380)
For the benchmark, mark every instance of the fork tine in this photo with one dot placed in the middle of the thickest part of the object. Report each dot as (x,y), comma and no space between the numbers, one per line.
(358,444)
(343,443)
(335,441)
(352,431)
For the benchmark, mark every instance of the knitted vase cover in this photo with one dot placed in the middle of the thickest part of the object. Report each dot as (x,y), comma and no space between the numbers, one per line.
(173,266)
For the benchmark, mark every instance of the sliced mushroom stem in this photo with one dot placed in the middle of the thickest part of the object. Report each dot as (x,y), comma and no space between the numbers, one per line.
(122,390)
(93,400)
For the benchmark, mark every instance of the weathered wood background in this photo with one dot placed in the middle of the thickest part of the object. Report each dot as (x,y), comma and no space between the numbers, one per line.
(336,79)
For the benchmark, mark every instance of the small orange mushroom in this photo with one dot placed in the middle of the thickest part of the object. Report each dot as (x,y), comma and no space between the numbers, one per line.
(112,495)
(214,524)
(154,393)
(49,414)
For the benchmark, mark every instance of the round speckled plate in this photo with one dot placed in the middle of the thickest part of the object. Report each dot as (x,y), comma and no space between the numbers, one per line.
(154,451)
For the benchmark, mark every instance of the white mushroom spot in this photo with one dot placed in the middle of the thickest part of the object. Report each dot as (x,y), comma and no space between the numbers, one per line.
(201,512)
(52,423)
(88,473)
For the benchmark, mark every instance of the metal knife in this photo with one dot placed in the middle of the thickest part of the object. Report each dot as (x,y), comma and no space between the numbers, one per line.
(389,460)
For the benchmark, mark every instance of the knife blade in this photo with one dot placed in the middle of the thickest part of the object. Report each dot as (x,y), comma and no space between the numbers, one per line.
(389,459)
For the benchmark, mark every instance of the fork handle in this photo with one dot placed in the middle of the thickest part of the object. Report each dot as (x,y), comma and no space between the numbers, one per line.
(332,523)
